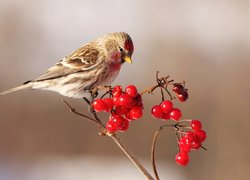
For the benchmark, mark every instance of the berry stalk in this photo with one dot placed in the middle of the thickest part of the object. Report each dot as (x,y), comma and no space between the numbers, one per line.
(131,156)
(115,138)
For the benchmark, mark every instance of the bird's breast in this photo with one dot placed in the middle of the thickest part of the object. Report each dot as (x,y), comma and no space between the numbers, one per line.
(112,73)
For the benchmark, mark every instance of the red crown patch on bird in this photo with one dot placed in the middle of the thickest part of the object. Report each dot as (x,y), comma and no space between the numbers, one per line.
(129,45)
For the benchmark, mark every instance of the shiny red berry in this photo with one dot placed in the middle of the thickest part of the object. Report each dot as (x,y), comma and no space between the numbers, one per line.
(157,112)
(196,145)
(131,90)
(140,105)
(178,88)
(121,110)
(99,105)
(128,117)
(175,114)
(116,101)
(138,99)
(111,127)
(191,136)
(165,116)
(117,91)
(109,103)
(201,135)
(183,96)
(182,158)
(126,101)
(185,144)
(196,125)
(117,120)
(167,106)
(136,112)
(124,126)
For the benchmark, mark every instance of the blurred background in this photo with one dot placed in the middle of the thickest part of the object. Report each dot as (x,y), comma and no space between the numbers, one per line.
(206,43)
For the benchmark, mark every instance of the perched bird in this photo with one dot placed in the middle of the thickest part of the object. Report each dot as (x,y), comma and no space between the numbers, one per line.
(94,64)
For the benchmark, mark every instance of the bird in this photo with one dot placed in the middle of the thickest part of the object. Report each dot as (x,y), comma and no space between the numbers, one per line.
(96,63)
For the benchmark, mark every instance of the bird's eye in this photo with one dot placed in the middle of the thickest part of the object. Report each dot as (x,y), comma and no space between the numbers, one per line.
(121,50)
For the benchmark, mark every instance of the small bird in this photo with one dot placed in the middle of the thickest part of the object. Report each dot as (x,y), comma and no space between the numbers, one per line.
(96,63)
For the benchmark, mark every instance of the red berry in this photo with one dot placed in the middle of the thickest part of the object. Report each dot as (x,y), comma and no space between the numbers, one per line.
(131,90)
(167,106)
(185,144)
(111,127)
(183,96)
(117,91)
(99,105)
(165,116)
(116,101)
(157,112)
(117,120)
(140,105)
(109,103)
(126,101)
(191,136)
(196,145)
(138,99)
(136,112)
(128,117)
(121,110)
(196,125)
(201,135)
(182,158)
(124,126)
(178,88)
(175,114)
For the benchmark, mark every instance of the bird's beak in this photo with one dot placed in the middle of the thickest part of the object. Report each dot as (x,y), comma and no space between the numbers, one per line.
(128,59)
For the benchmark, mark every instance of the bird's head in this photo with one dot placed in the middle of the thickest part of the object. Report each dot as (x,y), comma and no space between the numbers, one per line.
(119,47)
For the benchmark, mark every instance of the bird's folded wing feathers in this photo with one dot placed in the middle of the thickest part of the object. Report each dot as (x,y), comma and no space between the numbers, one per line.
(83,59)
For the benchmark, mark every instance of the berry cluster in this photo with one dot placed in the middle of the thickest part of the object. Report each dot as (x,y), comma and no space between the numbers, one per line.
(190,140)
(166,111)
(122,106)
(126,105)
(180,91)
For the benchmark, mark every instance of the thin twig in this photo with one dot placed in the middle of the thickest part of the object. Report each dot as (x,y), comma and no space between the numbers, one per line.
(108,92)
(162,83)
(177,138)
(171,97)
(131,156)
(82,115)
(87,101)
(149,90)
(153,153)
(162,95)
(153,147)
(204,148)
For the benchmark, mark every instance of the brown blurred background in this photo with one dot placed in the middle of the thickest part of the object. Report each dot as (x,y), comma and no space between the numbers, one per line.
(206,43)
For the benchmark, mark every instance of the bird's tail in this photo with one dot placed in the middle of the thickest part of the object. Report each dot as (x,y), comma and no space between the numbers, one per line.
(24,86)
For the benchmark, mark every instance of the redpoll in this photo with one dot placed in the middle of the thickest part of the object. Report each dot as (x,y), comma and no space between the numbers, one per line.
(94,64)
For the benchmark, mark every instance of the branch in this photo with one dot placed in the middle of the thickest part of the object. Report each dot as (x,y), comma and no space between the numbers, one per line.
(131,156)
(153,148)
(162,83)
(153,153)
(83,115)
(117,140)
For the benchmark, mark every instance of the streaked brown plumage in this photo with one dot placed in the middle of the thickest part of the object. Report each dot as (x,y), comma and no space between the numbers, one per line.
(95,63)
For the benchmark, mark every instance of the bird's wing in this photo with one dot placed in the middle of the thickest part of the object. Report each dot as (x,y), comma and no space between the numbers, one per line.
(83,59)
